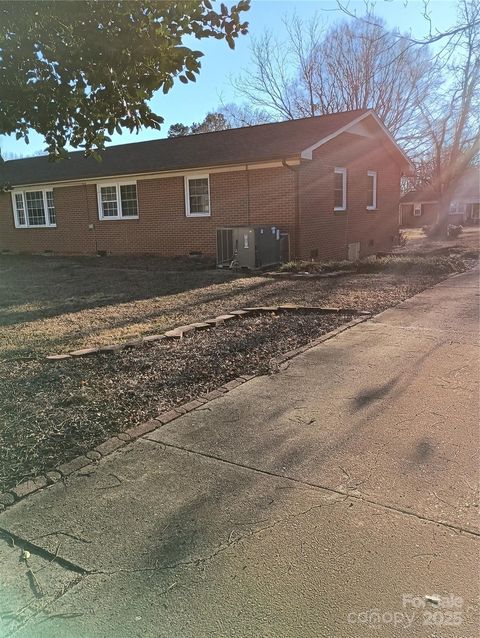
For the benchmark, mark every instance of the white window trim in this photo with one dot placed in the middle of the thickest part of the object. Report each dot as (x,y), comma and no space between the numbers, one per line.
(45,207)
(187,179)
(415,208)
(115,185)
(374,175)
(342,171)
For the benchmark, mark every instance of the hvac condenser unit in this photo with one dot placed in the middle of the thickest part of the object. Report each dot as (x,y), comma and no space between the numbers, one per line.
(251,246)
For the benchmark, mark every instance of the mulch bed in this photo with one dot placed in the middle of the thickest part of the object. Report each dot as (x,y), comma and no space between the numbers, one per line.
(54,412)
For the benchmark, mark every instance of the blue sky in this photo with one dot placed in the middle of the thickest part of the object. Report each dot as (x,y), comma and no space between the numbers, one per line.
(191,102)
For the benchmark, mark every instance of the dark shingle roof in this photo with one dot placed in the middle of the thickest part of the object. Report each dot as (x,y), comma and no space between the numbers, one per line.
(264,142)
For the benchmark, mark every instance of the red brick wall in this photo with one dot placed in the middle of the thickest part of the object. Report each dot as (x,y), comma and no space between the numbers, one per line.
(264,196)
(328,232)
(261,196)
(69,237)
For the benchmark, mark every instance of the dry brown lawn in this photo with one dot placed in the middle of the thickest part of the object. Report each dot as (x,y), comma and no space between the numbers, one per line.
(50,412)
(53,304)
(469,240)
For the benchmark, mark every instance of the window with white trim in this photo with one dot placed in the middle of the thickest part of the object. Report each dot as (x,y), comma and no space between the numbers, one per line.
(197,196)
(417,210)
(340,189)
(34,208)
(117,201)
(372,190)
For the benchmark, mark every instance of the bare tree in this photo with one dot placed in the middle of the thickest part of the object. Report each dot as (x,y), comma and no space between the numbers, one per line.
(367,66)
(433,35)
(349,66)
(238,115)
(269,83)
(451,128)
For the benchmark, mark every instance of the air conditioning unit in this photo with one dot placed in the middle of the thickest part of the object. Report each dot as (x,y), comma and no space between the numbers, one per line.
(251,247)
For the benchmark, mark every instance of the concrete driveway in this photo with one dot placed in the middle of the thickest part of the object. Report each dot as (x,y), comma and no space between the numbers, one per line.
(335,498)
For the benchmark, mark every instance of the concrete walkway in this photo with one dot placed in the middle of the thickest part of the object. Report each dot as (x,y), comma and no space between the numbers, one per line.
(291,507)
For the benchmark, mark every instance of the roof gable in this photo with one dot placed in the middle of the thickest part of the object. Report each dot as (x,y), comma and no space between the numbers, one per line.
(361,125)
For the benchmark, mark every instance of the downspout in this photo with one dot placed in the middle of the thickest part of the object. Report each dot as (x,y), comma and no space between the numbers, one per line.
(296,171)
(248,194)
(91,225)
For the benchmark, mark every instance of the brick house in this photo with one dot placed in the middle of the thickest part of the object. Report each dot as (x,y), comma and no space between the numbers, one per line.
(421,207)
(331,182)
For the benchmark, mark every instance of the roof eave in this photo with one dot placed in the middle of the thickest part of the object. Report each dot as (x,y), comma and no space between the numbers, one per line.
(154,173)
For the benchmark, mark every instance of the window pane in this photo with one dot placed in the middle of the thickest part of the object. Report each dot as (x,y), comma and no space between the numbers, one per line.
(52,218)
(128,194)
(108,196)
(128,191)
(109,193)
(129,208)
(338,199)
(198,195)
(110,209)
(21,219)
(199,203)
(371,190)
(198,186)
(338,190)
(35,209)
(338,181)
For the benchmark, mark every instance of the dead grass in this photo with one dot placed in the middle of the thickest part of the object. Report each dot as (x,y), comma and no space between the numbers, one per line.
(51,412)
(56,304)
(56,411)
(467,242)
(398,264)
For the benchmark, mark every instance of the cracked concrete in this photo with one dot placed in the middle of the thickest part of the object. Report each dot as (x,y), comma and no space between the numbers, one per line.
(395,418)
(294,504)
(28,587)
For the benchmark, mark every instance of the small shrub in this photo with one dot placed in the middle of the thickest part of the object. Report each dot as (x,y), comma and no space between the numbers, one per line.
(428,265)
(335,266)
(454,231)
(394,264)
(300,266)
(317,267)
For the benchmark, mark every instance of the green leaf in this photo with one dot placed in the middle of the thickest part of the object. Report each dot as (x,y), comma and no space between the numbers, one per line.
(70,69)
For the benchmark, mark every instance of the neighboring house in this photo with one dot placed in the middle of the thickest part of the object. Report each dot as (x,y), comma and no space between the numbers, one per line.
(331,182)
(421,208)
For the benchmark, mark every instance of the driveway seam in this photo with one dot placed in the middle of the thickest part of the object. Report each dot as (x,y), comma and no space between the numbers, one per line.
(318,486)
